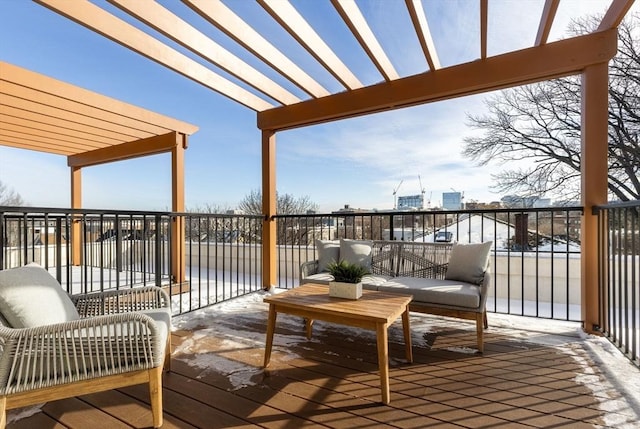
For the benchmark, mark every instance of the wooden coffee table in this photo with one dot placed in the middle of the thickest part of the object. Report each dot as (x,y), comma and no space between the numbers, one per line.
(374,310)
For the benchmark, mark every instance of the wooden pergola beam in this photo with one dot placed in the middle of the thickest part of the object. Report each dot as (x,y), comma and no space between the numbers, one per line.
(174,27)
(546,21)
(350,13)
(93,17)
(220,16)
(149,146)
(615,14)
(484,27)
(530,65)
(289,18)
(419,19)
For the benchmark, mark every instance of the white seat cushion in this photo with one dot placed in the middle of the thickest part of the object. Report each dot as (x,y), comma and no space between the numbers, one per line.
(468,262)
(328,252)
(435,291)
(30,296)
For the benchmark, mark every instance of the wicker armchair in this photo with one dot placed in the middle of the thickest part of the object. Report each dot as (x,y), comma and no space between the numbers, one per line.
(120,338)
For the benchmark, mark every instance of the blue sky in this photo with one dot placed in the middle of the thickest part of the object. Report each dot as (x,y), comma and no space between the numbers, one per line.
(357,161)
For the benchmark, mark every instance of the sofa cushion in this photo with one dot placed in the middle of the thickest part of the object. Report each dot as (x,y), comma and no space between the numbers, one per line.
(370,281)
(328,252)
(468,262)
(30,296)
(357,252)
(435,291)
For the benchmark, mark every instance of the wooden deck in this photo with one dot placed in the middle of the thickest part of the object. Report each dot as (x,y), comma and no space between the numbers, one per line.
(524,379)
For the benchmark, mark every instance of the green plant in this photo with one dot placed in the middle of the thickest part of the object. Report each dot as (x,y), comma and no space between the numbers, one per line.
(343,271)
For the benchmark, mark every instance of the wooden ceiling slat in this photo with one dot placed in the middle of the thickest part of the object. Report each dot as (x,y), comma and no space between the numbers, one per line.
(289,18)
(484,23)
(48,135)
(44,142)
(18,144)
(546,21)
(30,79)
(354,19)
(178,30)
(110,26)
(220,16)
(61,124)
(419,19)
(521,67)
(35,96)
(31,106)
(54,130)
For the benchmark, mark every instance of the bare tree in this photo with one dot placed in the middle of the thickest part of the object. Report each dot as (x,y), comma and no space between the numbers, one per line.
(292,230)
(540,123)
(286,204)
(8,197)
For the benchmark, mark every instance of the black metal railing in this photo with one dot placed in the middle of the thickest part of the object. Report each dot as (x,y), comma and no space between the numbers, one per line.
(535,260)
(619,239)
(119,249)
(223,258)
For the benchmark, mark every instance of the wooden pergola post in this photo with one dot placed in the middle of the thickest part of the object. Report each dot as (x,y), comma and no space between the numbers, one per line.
(269,249)
(76,203)
(594,166)
(177,205)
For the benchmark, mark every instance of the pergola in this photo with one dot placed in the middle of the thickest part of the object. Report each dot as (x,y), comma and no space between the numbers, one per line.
(44,114)
(279,108)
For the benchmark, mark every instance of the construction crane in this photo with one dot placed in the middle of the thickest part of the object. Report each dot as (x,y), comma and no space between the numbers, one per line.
(422,190)
(395,191)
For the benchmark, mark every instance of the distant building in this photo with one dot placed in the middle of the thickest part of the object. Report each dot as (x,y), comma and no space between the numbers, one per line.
(451,200)
(535,201)
(411,202)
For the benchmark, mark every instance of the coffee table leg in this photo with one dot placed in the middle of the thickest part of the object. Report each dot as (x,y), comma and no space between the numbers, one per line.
(407,335)
(383,361)
(308,323)
(271,326)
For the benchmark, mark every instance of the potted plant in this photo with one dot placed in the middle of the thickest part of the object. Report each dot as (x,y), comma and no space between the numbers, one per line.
(347,279)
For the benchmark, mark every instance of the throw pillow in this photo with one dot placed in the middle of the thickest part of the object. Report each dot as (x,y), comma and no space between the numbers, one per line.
(357,252)
(328,252)
(468,262)
(30,296)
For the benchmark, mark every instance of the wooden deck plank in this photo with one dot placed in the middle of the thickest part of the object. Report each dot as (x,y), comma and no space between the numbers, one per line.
(332,381)
(192,411)
(77,414)
(182,380)
(131,411)
(39,420)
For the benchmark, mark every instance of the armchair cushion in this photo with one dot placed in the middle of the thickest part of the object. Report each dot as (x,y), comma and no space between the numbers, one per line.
(468,262)
(357,252)
(328,252)
(30,297)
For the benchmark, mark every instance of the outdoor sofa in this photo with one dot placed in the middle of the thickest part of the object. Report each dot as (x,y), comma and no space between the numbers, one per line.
(445,279)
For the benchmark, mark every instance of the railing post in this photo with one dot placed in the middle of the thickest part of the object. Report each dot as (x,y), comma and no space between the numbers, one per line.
(3,236)
(269,227)
(594,174)
(178,249)
(59,248)
(158,252)
(76,203)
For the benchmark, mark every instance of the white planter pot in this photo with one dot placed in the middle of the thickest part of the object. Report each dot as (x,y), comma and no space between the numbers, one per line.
(345,290)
